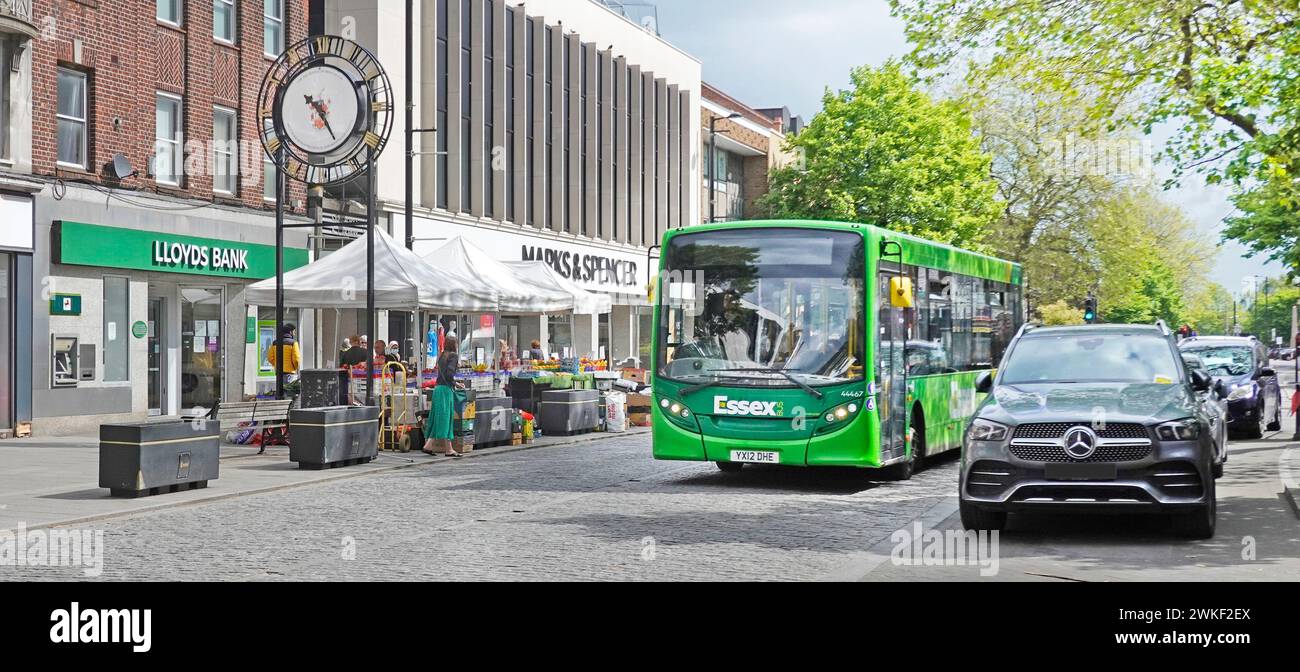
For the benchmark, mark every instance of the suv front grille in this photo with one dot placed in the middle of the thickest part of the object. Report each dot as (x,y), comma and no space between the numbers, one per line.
(1055,430)
(1103,454)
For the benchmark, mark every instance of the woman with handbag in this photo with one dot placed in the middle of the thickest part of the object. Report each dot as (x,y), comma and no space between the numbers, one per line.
(439,426)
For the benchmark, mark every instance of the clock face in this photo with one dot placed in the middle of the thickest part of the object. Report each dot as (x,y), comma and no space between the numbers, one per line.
(325,110)
(320,110)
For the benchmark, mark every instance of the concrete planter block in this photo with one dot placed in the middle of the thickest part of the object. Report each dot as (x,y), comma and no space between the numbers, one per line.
(568,412)
(339,436)
(152,458)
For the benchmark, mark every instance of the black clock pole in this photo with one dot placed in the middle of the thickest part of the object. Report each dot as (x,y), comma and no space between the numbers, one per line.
(370,272)
(279,274)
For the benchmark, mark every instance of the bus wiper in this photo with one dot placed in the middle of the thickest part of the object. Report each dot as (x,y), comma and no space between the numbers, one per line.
(696,388)
(806,387)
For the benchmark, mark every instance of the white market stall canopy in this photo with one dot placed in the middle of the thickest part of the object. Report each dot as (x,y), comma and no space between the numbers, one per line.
(542,274)
(516,295)
(403,281)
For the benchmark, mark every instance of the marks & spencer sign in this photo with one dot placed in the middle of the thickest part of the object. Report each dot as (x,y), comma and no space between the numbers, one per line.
(113,247)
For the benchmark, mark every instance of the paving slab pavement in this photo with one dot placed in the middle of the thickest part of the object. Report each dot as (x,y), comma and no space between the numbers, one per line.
(51,481)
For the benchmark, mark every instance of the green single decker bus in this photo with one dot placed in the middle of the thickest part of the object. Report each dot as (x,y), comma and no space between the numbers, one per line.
(822,344)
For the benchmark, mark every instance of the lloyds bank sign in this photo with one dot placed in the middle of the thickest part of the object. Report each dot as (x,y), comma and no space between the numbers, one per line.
(115,247)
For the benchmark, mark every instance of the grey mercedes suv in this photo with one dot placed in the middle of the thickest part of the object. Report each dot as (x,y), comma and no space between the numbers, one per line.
(1095,418)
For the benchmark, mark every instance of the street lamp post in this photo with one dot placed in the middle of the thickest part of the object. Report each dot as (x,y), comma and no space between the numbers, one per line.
(713,161)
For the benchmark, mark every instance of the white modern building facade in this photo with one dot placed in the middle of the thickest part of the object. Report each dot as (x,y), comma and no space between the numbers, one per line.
(552,129)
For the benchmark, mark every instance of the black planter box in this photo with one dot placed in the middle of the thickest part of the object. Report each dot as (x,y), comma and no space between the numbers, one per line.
(321,438)
(494,420)
(566,412)
(323,388)
(152,458)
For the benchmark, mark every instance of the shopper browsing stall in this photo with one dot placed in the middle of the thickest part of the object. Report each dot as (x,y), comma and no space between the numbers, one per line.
(439,427)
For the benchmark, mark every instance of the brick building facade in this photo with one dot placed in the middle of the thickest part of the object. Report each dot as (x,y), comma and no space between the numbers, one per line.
(141,270)
(129,55)
(749,145)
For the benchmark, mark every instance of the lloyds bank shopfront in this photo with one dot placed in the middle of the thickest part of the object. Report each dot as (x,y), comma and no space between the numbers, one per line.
(140,311)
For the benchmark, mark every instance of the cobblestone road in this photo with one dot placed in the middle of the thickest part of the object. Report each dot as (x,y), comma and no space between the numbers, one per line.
(597,511)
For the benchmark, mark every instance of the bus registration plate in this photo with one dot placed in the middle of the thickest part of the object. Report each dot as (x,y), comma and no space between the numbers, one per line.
(756,456)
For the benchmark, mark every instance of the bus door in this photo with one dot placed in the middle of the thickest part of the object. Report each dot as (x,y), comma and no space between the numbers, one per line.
(891,369)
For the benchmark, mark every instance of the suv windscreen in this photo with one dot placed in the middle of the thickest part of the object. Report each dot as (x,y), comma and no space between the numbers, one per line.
(1225,360)
(1090,357)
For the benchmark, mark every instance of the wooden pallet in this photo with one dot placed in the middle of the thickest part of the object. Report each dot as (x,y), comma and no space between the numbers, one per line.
(162,489)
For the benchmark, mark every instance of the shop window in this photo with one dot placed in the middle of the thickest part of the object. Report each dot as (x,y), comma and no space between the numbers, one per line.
(72,118)
(117,329)
(168,155)
(225,165)
(223,20)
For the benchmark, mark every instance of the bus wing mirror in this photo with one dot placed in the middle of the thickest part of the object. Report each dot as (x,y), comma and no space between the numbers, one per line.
(984,382)
(900,292)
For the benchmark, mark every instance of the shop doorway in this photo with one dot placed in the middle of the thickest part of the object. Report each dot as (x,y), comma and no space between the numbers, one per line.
(202,357)
(157,356)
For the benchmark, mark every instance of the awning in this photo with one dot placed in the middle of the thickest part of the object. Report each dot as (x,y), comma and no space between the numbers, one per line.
(541,274)
(516,294)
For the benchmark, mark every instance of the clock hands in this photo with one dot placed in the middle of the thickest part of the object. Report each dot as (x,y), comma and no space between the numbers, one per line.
(319,106)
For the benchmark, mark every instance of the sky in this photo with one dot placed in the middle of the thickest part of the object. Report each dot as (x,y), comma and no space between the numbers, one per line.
(769,53)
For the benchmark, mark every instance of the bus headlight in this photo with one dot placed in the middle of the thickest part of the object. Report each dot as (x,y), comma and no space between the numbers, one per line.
(679,413)
(840,413)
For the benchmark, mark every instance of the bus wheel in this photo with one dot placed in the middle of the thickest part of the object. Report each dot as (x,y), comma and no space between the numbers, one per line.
(918,440)
(730,467)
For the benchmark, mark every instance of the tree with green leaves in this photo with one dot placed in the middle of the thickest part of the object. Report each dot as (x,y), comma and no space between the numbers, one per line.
(1270,313)
(883,152)
(1226,73)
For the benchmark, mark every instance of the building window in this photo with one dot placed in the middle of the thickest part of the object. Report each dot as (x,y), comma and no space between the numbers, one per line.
(169,11)
(467,81)
(225,137)
(510,116)
(268,180)
(443,69)
(223,20)
(530,195)
(72,118)
(489,110)
(117,328)
(273,27)
(169,160)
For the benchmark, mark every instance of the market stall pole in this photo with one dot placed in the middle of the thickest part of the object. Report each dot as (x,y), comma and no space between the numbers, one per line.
(279,272)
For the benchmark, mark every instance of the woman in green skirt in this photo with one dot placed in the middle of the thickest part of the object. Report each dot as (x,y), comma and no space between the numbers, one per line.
(438,428)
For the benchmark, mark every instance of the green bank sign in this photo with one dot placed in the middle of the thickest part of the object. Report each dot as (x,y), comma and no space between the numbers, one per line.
(113,247)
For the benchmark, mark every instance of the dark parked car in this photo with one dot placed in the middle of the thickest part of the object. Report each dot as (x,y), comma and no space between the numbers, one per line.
(1241,364)
(1095,418)
(1215,401)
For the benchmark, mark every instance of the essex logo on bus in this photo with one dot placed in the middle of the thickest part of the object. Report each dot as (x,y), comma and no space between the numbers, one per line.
(725,406)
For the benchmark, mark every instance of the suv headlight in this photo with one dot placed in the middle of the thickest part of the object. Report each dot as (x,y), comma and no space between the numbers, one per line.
(1186,429)
(986,430)
(1244,392)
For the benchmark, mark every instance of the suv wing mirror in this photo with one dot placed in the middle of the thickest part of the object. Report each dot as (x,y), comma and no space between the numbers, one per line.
(1201,381)
(984,382)
(1265,372)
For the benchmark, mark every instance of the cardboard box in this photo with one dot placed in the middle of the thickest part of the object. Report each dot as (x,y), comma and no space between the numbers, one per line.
(638,403)
(638,419)
(635,374)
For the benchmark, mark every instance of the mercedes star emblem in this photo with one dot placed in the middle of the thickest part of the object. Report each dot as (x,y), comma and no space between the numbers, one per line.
(1080,443)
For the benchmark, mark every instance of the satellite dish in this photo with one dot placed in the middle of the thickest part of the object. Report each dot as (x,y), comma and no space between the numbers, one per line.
(120,167)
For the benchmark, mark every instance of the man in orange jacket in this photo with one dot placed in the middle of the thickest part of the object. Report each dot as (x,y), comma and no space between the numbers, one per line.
(287,347)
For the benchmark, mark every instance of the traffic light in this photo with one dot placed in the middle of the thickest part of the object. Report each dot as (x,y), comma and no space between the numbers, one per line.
(1090,309)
